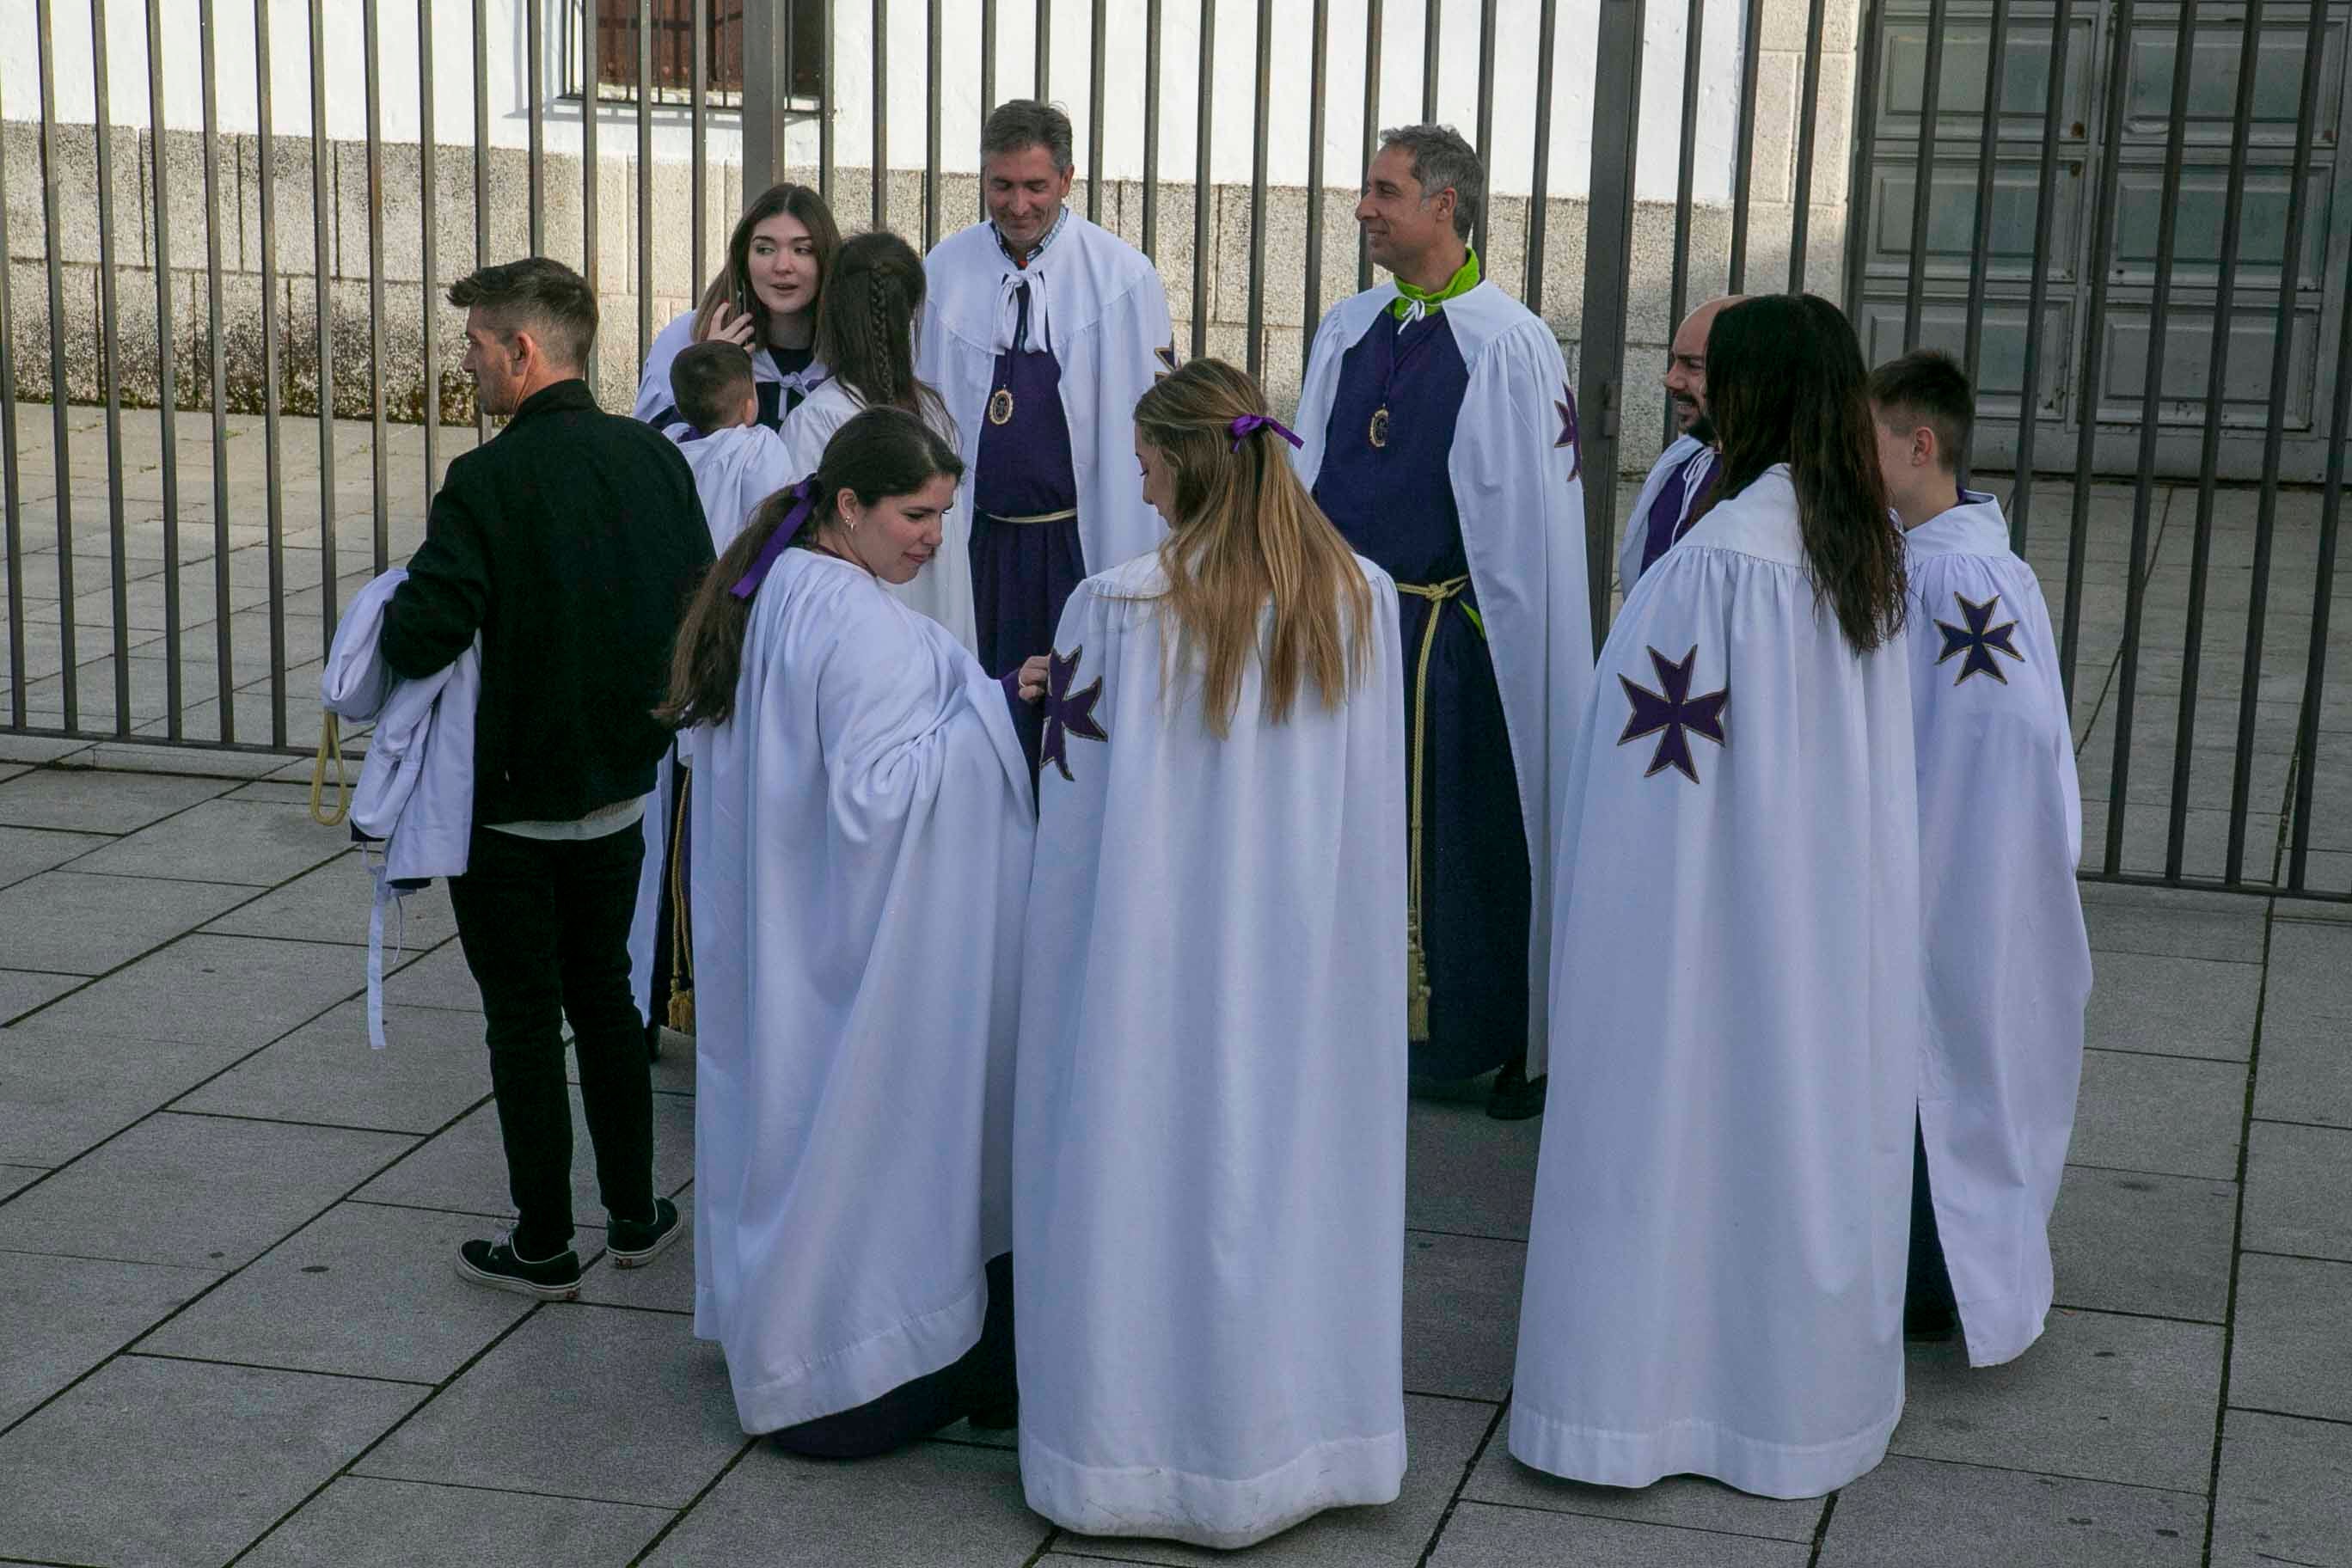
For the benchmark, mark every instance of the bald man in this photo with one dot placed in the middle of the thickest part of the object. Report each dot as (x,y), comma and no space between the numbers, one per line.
(1685,473)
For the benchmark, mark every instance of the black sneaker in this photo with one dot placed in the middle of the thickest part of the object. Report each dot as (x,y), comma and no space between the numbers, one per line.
(1513,1098)
(494,1264)
(633,1245)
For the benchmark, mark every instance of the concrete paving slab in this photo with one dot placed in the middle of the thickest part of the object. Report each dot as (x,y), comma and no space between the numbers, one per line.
(2211,926)
(936,1505)
(436,979)
(75,923)
(331,903)
(172,1462)
(1688,1502)
(2306,1073)
(464,1170)
(667,1285)
(1461,1314)
(21,991)
(90,801)
(2299,1190)
(1483,1536)
(2100,1397)
(232,990)
(205,1192)
(1441,1436)
(1466,1172)
(363,1290)
(65,1315)
(2293,1352)
(1925,1514)
(658,1404)
(2286,1493)
(2173,1005)
(27,851)
(433,1067)
(37,749)
(66,1089)
(358,1523)
(2166,1115)
(259,843)
(2158,1245)
(15,1179)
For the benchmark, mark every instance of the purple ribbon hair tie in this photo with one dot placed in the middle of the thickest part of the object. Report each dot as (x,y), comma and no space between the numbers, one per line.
(1249,424)
(803,496)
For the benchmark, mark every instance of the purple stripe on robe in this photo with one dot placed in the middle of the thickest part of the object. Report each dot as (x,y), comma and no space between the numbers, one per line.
(1669,513)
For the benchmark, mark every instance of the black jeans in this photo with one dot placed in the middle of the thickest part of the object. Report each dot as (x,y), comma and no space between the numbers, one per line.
(545,926)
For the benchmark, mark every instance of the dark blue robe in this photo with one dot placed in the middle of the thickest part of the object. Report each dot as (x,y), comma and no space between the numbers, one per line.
(1023,573)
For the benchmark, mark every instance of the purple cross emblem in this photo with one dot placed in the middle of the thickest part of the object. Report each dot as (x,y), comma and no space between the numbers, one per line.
(1674,715)
(1976,641)
(1569,436)
(1067,712)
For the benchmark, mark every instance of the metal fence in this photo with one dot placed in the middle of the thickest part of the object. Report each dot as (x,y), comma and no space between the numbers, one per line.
(2161,400)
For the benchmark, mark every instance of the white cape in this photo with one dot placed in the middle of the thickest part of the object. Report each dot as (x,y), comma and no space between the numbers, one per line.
(2008,960)
(1631,548)
(1518,487)
(1210,1123)
(737,469)
(943,589)
(654,406)
(1096,301)
(862,832)
(1715,1267)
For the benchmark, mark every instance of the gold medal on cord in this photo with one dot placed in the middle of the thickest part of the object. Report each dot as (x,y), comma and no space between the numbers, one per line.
(1378,433)
(1000,407)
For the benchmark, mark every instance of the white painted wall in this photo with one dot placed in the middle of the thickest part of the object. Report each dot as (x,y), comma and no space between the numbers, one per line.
(1234,142)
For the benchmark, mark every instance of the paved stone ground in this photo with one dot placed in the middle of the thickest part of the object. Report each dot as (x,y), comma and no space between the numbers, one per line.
(232,1333)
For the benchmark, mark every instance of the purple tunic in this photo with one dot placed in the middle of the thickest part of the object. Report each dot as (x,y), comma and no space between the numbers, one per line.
(1669,518)
(1023,573)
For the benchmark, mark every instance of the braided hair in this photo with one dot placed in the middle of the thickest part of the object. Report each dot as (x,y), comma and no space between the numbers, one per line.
(866,324)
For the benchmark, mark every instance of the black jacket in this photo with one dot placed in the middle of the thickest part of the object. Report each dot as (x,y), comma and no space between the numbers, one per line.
(571,543)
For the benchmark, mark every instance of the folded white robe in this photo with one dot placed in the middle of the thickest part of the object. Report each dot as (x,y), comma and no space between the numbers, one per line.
(1715,1268)
(2008,960)
(862,829)
(1209,1138)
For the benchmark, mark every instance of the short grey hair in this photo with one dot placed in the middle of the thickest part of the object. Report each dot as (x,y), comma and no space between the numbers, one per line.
(1443,161)
(1022,122)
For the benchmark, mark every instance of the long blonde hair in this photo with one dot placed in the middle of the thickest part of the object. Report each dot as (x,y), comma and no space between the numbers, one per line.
(1246,534)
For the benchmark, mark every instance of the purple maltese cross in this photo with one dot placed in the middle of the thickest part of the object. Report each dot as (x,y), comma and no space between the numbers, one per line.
(1570,437)
(1977,641)
(1067,712)
(1674,716)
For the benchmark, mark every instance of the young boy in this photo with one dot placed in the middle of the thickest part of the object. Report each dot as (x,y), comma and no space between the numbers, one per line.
(736,461)
(2008,963)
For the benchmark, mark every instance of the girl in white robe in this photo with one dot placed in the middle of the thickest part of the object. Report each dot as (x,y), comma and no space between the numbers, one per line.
(862,826)
(1210,1110)
(1715,1264)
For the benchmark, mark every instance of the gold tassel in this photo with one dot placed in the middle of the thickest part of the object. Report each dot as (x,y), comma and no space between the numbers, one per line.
(1416,987)
(681,1010)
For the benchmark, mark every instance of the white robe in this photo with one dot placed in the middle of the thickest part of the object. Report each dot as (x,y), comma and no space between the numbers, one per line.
(654,406)
(1631,549)
(862,832)
(2008,960)
(1210,1122)
(1517,486)
(941,590)
(1096,301)
(1715,1266)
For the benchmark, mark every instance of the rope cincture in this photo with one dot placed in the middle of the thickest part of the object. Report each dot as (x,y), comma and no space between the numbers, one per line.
(1416,961)
(330,744)
(682,946)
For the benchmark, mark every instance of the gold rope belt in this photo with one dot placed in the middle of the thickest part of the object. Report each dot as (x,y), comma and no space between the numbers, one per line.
(1416,984)
(681,940)
(330,746)
(1064,515)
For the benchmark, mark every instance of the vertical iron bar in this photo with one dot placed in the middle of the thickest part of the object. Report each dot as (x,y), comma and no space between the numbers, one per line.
(644,179)
(1097,65)
(697,182)
(166,380)
(1608,275)
(1044,36)
(322,290)
(1254,355)
(1204,189)
(1743,164)
(2045,210)
(1151,129)
(1432,21)
(1807,108)
(534,48)
(2274,440)
(1988,139)
(987,68)
(1371,129)
(12,536)
(1485,115)
(118,547)
(1923,180)
(1685,174)
(274,511)
(60,450)
(824,151)
(592,171)
(482,182)
(1318,81)
(1531,283)
(2217,377)
(932,25)
(2323,588)
(1862,164)
(428,226)
(2150,423)
(380,433)
(881,159)
(765,93)
(208,64)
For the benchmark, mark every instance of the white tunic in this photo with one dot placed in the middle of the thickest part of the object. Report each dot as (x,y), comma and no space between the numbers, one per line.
(1516,475)
(1209,1138)
(1715,1268)
(862,830)
(943,589)
(1095,300)
(2008,962)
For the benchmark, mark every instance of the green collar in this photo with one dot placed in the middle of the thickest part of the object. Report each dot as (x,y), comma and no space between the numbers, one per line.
(1409,296)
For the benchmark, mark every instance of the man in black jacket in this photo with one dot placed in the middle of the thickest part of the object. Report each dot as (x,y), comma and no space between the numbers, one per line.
(569,546)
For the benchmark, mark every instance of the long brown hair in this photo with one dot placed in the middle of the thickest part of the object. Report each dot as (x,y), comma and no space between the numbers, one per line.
(1248,532)
(865,323)
(733,283)
(1785,384)
(879,452)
